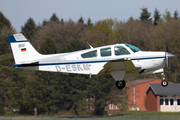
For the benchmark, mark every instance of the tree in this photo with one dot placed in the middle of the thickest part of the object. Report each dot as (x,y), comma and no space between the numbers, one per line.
(130,19)
(4,21)
(156,16)
(145,15)
(42,98)
(176,15)
(74,45)
(89,23)
(99,89)
(167,15)
(45,22)
(62,21)
(81,20)
(48,47)
(29,28)
(12,81)
(5,30)
(103,32)
(54,18)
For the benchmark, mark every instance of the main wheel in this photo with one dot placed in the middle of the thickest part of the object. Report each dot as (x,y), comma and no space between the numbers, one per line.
(164,83)
(120,84)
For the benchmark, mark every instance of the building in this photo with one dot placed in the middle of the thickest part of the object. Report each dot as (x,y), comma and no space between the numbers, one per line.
(137,95)
(163,99)
(112,108)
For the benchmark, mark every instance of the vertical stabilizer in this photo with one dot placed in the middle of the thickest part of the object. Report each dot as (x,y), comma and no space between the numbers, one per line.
(22,50)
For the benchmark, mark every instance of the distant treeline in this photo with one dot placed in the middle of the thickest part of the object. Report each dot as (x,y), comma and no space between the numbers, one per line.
(34,92)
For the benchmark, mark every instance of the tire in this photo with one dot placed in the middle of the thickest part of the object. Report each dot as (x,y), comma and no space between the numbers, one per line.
(164,83)
(120,84)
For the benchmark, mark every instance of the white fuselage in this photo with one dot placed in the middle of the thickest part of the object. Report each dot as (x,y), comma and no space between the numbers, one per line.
(149,62)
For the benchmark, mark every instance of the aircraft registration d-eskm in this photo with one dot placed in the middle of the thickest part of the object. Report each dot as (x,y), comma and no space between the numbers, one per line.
(119,60)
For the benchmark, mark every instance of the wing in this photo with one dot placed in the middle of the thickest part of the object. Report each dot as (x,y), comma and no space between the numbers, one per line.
(118,65)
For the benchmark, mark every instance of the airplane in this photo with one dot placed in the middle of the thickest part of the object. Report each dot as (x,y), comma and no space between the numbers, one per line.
(121,61)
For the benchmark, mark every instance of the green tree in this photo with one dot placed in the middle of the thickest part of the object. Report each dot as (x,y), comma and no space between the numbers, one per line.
(99,89)
(76,85)
(81,20)
(89,23)
(156,17)
(145,15)
(4,45)
(44,87)
(74,45)
(62,21)
(48,47)
(5,30)
(103,32)
(54,18)
(176,15)
(45,22)
(4,21)
(167,15)
(29,28)
(12,82)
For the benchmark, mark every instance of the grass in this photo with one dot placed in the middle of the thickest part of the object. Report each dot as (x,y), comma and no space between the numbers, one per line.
(131,115)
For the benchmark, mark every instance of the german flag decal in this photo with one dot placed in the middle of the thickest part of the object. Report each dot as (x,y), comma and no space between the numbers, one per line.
(23,50)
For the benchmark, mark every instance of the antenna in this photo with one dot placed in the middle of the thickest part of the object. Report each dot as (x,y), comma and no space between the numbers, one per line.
(90,45)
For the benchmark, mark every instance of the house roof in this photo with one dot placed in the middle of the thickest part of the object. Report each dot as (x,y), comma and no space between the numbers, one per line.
(171,89)
(141,81)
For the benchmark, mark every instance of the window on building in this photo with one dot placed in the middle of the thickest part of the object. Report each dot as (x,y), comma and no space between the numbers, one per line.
(89,54)
(166,101)
(178,101)
(171,101)
(119,50)
(161,101)
(105,52)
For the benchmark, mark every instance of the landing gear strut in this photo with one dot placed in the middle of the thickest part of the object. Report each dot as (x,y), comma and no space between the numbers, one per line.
(164,82)
(120,84)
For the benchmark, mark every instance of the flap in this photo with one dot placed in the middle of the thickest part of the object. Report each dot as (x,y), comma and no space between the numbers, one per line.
(118,65)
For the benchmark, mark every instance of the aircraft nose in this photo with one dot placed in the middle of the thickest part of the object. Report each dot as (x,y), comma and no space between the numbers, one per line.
(169,55)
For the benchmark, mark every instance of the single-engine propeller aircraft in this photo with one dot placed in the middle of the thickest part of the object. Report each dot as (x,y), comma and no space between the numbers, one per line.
(119,60)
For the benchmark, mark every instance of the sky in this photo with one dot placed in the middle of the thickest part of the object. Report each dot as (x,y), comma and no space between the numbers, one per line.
(19,11)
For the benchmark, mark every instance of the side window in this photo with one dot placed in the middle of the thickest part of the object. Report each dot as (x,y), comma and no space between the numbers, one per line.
(119,50)
(105,52)
(89,54)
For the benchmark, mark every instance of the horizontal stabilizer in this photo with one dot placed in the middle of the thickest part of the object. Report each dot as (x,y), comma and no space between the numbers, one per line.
(30,62)
(27,63)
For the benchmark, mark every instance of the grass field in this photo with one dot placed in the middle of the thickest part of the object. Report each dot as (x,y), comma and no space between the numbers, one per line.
(129,116)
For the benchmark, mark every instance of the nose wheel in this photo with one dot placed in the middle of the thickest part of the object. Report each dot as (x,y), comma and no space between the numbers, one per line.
(164,82)
(120,84)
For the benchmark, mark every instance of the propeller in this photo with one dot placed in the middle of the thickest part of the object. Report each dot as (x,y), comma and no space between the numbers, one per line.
(168,54)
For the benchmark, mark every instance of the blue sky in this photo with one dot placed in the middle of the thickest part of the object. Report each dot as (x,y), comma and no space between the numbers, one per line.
(18,11)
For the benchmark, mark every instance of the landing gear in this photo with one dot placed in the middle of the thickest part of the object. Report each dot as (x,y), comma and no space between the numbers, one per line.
(120,84)
(164,82)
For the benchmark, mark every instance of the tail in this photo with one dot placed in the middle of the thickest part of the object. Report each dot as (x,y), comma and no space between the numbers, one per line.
(23,51)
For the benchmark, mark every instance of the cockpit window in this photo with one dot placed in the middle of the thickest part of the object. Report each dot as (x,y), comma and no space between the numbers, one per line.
(119,50)
(133,48)
(105,52)
(89,54)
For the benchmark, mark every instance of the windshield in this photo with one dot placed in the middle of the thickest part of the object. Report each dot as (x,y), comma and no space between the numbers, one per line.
(133,48)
